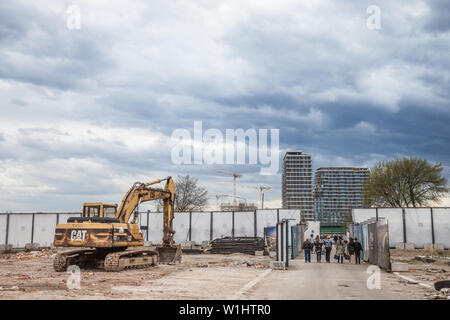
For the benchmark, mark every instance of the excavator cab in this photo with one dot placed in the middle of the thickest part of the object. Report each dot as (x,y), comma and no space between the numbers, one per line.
(97,212)
(98,209)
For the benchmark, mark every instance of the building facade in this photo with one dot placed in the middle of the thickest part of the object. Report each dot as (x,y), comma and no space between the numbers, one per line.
(297,183)
(336,191)
(240,207)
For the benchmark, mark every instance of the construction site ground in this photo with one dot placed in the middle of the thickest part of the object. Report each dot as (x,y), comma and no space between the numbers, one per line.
(30,275)
(425,267)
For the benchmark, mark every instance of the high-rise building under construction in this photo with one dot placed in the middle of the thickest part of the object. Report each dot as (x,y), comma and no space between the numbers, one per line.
(297,183)
(336,191)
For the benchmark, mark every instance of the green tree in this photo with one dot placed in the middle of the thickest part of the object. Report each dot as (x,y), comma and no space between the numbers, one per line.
(407,182)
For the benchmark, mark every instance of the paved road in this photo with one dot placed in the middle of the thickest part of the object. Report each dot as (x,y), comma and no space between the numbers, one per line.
(328,281)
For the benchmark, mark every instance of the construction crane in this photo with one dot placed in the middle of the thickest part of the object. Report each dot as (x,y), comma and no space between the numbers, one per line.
(218,196)
(261,191)
(235,176)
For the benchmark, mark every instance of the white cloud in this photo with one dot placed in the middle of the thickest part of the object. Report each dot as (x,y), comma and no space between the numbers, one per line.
(365,127)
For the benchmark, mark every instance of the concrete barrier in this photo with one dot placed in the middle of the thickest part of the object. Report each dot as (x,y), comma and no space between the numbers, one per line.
(400,246)
(399,267)
(277,265)
(187,244)
(32,246)
(206,244)
(5,248)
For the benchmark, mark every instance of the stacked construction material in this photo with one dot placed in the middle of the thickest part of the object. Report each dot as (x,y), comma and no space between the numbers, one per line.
(246,245)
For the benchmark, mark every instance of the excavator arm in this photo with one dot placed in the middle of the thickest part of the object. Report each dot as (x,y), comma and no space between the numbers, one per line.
(142,192)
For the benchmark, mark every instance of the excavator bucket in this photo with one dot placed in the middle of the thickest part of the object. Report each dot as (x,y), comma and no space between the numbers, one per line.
(169,255)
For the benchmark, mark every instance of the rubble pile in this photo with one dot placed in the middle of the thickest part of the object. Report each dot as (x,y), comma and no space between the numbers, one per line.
(24,255)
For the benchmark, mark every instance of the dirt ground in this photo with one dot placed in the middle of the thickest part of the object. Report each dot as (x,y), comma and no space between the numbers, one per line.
(201,276)
(422,268)
(30,275)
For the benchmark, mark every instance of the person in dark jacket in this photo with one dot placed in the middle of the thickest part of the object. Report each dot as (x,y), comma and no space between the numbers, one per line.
(328,245)
(335,238)
(307,246)
(358,249)
(351,249)
(318,244)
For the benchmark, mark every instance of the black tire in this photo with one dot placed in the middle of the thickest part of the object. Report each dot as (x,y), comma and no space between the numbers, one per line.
(442,284)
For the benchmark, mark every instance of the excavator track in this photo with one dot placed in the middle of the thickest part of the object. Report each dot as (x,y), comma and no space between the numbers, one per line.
(117,261)
(60,263)
(81,258)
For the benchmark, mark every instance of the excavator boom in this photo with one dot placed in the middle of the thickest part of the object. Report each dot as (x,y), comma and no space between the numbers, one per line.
(142,192)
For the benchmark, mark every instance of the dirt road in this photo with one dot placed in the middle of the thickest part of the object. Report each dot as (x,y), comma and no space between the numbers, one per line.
(331,281)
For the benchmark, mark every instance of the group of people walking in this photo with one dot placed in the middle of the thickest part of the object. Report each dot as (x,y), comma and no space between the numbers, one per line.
(350,249)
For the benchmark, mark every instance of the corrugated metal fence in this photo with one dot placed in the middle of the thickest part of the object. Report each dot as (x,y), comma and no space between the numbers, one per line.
(374,238)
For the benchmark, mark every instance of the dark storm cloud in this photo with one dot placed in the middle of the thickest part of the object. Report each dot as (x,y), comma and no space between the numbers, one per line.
(439,19)
(77,103)
(36,47)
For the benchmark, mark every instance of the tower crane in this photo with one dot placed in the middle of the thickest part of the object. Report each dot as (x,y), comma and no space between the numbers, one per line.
(261,191)
(235,176)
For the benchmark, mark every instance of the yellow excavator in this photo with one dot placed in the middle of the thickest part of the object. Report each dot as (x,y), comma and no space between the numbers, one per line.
(102,234)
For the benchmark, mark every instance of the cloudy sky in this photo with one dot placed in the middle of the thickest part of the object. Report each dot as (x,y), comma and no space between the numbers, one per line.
(86,112)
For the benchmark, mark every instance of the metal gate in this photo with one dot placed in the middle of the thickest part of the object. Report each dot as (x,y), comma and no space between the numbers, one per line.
(295,240)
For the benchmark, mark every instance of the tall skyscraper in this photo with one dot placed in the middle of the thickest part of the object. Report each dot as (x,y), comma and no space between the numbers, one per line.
(336,191)
(297,183)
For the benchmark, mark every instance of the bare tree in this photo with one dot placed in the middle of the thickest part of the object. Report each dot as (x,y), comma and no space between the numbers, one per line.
(407,182)
(188,195)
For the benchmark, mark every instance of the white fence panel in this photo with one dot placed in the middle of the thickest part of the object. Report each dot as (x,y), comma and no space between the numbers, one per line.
(441,217)
(19,230)
(3,218)
(222,224)
(294,218)
(292,214)
(142,221)
(313,228)
(44,229)
(244,224)
(265,218)
(395,224)
(181,227)
(200,226)
(63,216)
(361,215)
(418,226)
(155,227)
